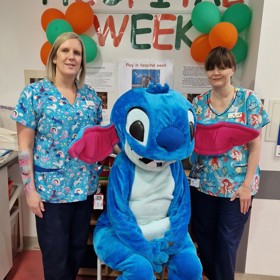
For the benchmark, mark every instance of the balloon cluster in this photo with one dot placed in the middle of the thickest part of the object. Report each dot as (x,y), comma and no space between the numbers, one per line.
(77,18)
(220,30)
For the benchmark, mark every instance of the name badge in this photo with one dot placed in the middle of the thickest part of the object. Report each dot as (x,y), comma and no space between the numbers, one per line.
(98,201)
(235,115)
(193,182)
(90,103)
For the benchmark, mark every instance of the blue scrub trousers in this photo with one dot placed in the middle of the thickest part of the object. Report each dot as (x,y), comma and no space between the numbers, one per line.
(217,226)
(62,235)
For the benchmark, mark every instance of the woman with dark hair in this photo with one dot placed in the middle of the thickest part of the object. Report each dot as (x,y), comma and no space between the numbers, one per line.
(225,174)
(59,190)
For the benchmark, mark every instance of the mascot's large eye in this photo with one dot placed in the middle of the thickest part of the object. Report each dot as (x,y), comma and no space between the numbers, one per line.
(137,124)
(191,123)
(137,130)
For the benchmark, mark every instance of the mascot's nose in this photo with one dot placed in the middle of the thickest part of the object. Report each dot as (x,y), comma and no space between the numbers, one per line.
(170,138)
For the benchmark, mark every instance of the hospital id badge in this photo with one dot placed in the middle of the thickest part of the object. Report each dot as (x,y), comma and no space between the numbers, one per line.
(193,182)
(90,103)
(98,201)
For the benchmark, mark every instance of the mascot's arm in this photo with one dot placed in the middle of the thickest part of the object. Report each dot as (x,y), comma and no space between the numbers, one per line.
(179,210)
(122,219)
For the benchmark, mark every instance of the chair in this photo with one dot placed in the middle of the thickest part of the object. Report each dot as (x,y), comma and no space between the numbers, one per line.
(162,274)
(99,269)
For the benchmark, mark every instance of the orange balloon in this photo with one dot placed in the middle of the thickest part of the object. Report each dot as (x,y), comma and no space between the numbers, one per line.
(223,34)
(200,48)
(45,50)
(80,16)
(49,15)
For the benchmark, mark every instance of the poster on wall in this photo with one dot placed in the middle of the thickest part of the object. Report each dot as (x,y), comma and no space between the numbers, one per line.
(101,78)
(194,79)
(135,73)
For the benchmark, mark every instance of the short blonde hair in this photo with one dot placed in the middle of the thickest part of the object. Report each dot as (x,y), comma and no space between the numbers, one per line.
(51,67)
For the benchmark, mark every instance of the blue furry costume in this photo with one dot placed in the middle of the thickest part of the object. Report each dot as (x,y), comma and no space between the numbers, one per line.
(145,225)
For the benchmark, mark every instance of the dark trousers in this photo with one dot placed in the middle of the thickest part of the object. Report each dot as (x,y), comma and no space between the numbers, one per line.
(62,234)
(217,226)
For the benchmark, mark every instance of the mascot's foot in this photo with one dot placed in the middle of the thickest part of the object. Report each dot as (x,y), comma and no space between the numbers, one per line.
(135,267)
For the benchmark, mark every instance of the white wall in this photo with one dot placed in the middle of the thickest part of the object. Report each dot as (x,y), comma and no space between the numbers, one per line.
(260,70)
(268,72)
(263,251)
(21,40)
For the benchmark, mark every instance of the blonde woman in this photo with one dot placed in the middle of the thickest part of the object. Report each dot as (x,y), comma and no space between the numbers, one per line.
(59,190)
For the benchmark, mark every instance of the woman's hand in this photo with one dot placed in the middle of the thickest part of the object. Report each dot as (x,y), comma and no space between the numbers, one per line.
(244,195)
(244,191)
(35,203)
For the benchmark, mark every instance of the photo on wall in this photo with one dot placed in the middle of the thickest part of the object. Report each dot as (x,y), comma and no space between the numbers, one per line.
(137,73)
(142,77)
(32,76)
(104,97)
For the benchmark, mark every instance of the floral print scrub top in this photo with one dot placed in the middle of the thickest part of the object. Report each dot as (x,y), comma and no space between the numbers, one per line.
(222,175)
(41,107)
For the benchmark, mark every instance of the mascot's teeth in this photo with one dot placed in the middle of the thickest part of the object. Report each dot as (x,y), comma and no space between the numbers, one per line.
(145,160)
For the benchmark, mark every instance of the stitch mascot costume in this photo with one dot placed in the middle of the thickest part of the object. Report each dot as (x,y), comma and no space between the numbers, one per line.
(145,225)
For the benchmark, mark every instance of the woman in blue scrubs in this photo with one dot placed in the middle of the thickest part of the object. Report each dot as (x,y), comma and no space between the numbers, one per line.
(224,180)
(59,190)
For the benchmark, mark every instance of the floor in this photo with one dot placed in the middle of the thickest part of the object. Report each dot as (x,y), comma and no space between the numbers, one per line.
(28,266)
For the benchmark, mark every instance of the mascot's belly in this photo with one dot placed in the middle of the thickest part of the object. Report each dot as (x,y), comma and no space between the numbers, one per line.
(150,199)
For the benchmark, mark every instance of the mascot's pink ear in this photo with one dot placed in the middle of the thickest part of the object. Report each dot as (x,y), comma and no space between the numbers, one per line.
(94,144)
(216,139)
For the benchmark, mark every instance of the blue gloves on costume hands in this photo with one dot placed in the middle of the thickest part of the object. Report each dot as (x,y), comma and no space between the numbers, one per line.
(174,247)
(159,255)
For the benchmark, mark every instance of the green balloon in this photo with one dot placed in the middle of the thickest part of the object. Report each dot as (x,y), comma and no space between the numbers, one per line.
(205,16)
(240,15)
(240,50)
(90,47)
(57,27)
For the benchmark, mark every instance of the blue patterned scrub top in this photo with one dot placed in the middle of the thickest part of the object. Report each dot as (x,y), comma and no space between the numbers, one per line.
(222,175)
(41,107)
